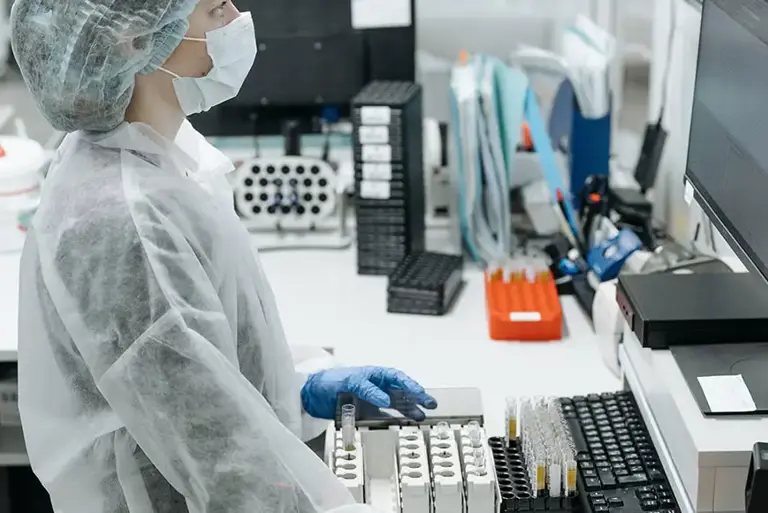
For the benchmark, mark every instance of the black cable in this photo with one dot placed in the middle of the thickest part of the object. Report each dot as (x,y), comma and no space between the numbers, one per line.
(712,236)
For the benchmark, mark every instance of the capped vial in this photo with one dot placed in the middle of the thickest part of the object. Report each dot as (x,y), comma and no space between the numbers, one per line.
(348,427)
(443,430)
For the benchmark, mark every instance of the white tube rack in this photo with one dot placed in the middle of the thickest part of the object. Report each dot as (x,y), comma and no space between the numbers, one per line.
(349,466)
(482,496)
(414,472)
(447,476)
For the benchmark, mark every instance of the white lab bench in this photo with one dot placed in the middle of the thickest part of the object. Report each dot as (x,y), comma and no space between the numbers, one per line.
(324,303)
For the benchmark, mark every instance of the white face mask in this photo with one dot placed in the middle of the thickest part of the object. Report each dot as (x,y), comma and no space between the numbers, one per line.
(232,49)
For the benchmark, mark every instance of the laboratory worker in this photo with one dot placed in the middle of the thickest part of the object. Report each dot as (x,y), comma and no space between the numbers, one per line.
(154,376)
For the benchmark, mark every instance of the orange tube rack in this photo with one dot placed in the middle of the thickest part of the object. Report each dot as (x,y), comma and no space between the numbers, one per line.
(520,309)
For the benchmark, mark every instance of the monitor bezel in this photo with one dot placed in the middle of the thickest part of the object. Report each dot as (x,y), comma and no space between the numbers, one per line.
(716,216)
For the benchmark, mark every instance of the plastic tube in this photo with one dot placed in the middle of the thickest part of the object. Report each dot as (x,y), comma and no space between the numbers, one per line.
(348,427)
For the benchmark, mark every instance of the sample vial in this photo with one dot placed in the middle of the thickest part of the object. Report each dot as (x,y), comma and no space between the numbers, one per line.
(443,430)
(511,414)
(541,475)
(555,480)
(348,427)
(475,437)
(570,482)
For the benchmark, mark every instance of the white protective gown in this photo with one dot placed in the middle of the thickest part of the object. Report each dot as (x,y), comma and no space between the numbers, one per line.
(154,376)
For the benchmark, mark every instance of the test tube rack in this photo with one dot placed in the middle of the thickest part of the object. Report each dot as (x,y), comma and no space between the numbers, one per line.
(480,480)
(348,465)
(417,469)
(523,305)
(515,489)
(448,480)
(425,283)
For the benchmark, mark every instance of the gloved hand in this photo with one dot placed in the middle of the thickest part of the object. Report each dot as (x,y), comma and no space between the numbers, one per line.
(318,396)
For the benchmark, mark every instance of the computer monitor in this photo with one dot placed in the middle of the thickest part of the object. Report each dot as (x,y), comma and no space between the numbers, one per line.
(314,56)
(728,149)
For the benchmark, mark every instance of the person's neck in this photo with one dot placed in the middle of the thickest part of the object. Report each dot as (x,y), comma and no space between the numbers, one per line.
(149,108)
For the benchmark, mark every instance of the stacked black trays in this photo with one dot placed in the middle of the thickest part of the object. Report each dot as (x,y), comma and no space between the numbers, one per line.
(425,284)
(389,175)
(514,486)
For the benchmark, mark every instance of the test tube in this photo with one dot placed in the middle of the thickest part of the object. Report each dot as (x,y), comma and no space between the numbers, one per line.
(348,427)
(475,437)
(541,473)
(443,430)
(478,455)
(570,482)
(511,419)
(555,479)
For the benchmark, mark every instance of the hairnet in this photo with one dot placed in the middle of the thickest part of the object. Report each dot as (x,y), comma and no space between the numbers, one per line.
(79,57)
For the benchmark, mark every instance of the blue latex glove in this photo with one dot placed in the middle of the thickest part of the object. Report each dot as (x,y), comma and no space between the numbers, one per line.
(370,384)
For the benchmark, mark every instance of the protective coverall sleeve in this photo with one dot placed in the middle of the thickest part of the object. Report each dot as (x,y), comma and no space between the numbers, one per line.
(160,349)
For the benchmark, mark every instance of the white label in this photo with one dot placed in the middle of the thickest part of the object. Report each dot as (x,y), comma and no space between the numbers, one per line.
(377,153)
(727,394)
(374,134)
(372,189)
(525,316)
(688,193)
(377,172)
(367,14)
(375,115)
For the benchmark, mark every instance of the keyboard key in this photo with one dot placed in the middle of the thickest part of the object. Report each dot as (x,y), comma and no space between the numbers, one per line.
(578,439)
(620,472)
(589,473)
(663,488)
(599,502)
(602,465)
(655,475)
(615,502)
(600,509)
(647,496)
(668,502)
(587,465)
(614,453)
(649,505)
(606,477)
(637,469)
(664,495)
(633,479)
(592,483)
(583,456)
(633,462)
(601,457)
(596,495)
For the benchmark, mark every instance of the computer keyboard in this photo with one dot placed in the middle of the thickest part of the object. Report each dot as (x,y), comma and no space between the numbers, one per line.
(619,468)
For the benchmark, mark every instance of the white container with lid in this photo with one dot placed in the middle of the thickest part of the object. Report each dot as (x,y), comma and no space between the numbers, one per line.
(20,163)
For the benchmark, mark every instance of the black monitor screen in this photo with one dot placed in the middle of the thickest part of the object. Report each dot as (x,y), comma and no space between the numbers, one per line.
(728,151)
